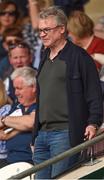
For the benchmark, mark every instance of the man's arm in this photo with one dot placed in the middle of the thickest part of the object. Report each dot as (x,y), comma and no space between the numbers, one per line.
(92,90)
(19,123)
(93,96)
(34,11)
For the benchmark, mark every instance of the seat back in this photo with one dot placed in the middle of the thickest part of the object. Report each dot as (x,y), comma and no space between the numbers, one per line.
(14,169)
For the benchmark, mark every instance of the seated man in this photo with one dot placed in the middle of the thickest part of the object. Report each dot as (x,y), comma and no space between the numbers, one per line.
(21,119)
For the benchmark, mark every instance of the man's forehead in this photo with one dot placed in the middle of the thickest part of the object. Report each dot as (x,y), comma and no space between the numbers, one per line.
(49,20)
(19,50)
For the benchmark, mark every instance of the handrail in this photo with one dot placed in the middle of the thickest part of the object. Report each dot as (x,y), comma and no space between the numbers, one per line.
(59,157)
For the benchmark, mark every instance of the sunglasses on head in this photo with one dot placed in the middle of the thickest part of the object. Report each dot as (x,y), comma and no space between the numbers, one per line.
(9,13)
(19,45)
(12,42)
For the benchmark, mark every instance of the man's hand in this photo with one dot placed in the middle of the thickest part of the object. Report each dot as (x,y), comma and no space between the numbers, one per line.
(3,136)
(1,124)
(6,136)
(90,132)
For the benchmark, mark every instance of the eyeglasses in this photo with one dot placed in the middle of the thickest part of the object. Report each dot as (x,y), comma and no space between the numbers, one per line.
(19,45)
(9,13)
(47,30)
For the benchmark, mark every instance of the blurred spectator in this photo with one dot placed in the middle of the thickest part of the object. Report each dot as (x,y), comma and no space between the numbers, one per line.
(70,5)
(10,36)
(5,107)
(22,5)
(99,27)
(81,31)
(8,16)
(19,56)
(30,30)
(21,118)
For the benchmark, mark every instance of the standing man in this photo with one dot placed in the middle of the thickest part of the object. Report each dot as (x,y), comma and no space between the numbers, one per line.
(69,94)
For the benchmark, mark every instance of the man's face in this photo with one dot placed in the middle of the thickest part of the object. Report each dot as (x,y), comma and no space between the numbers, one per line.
(25,94)
(20,57)
(50,32)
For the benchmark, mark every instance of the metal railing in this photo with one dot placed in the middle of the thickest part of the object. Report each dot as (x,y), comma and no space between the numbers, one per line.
(59,157)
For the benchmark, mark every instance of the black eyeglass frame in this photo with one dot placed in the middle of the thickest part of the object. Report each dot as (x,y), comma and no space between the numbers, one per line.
(47,30)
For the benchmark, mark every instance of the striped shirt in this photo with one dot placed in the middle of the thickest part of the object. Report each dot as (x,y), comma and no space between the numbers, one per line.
(3,112)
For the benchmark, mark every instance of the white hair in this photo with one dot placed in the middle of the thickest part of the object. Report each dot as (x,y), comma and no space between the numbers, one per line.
(27,73)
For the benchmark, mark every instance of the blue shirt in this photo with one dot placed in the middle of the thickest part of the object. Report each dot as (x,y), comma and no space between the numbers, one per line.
(19,146)
(3,112)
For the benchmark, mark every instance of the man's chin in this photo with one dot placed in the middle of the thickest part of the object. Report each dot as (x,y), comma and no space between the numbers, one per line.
(20,101)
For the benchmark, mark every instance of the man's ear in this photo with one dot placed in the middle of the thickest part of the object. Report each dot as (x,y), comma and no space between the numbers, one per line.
(63,29)
(34,89)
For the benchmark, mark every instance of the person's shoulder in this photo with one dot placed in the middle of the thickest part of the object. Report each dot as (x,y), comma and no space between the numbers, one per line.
(73,50)
(98,39)
(78,50)
(15,106)
(73,46)
(45,50)
(75,54)
(4,110)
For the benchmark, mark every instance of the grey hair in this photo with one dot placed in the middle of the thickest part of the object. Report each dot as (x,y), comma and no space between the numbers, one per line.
(27,73)
(56,12)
